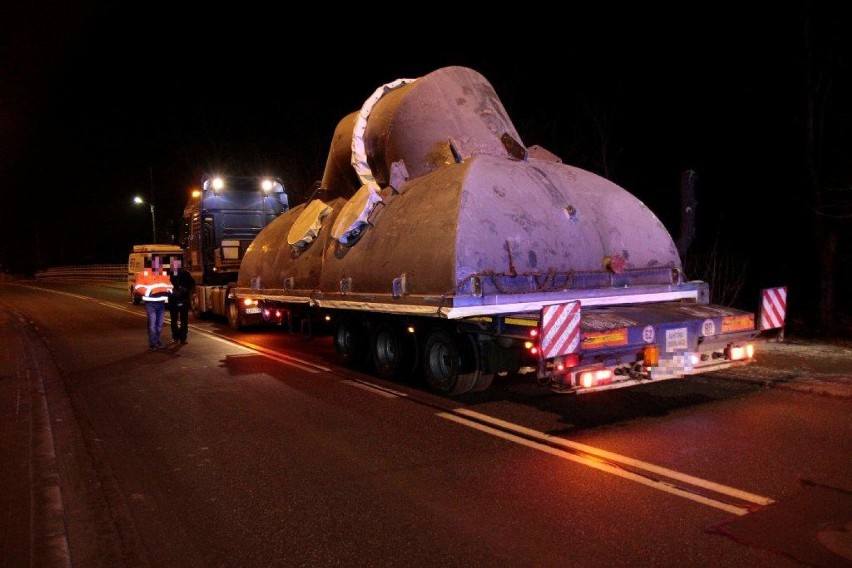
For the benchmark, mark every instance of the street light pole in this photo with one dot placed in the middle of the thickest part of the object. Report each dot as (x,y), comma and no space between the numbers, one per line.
(151,202)
(153,224)
(139,200)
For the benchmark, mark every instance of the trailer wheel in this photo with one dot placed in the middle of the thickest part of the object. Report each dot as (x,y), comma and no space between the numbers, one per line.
(235,318)
(449,365)
(394,351)
(350,343)
(483,382)
(194,306)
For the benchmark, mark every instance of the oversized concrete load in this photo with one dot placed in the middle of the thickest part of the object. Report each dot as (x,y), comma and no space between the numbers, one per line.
(438,238)
(459,211)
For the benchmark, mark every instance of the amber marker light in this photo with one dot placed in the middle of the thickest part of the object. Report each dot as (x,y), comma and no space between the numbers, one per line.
(651,356)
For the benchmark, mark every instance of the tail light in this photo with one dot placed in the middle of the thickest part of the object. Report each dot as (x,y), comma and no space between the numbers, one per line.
(740,352)
(594,377)
(531,344)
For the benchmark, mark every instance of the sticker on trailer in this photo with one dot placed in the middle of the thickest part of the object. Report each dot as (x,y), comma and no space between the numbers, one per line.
(676,339)
(708,328)
(560,329)
(773,308)
(598,339)
(648,334)
(516,321)
(737,323)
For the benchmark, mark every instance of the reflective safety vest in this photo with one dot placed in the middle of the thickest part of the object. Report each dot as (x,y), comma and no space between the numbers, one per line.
(153,287)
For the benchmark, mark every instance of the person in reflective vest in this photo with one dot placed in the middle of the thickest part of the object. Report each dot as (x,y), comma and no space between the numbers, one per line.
(154,286)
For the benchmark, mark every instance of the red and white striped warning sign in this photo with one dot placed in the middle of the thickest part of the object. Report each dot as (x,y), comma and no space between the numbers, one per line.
(560,329)
(773,307)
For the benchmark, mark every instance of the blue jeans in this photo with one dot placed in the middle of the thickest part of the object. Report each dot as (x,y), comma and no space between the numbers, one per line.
(156,312)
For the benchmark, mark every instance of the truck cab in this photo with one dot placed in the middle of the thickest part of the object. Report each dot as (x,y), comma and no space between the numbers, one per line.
(220,221)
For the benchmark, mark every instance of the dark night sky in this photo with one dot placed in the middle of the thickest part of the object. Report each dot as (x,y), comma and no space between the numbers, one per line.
(94,100)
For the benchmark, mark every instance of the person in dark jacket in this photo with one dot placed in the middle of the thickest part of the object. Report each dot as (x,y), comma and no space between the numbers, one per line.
(179,301)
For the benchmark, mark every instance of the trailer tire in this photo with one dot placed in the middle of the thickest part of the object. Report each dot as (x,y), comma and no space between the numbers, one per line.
(394,351)
(235,318)
(449,363)
(483,382)
(350,343)
(194,306)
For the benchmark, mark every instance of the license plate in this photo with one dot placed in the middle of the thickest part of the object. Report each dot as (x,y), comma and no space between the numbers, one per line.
(252,310)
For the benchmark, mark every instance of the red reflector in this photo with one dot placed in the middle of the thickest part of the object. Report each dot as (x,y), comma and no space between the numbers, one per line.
(571,360)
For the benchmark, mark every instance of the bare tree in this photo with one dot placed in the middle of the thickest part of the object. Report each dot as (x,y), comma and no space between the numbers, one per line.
(820,65)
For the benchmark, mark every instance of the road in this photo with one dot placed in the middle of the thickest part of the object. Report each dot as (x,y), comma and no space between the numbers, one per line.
(257,449)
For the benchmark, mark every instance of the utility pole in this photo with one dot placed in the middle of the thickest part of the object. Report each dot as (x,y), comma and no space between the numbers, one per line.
(151,202)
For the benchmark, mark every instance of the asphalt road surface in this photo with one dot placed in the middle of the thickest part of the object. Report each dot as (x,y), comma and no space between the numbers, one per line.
(257,449)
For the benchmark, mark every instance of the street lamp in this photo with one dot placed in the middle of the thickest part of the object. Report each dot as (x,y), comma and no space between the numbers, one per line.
(139,201)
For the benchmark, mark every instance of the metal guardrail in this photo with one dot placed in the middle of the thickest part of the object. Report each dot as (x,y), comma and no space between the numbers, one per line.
(99,272)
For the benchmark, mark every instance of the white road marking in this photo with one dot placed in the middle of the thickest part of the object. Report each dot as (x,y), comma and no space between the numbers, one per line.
(696,481)
(387,393)
(56,292)
(603,466)
(287,359)
(249,347)
(595,464)
(117,307)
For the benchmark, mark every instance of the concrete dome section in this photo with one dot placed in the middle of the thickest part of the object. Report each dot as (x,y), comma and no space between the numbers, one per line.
(437,120)
(441,118)
(541,226)
(413,234)
(339,178)
(271,263)
(479,218)
(519,227)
